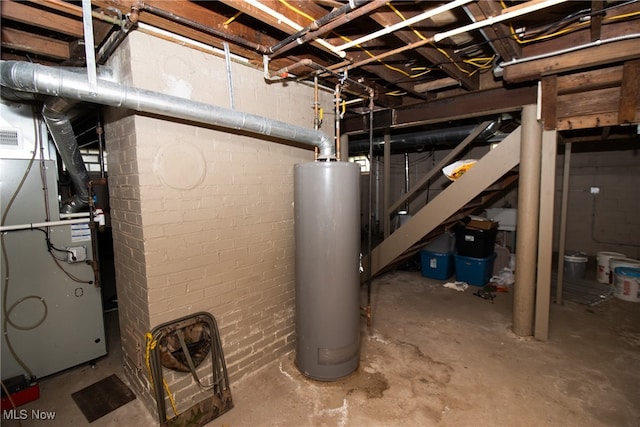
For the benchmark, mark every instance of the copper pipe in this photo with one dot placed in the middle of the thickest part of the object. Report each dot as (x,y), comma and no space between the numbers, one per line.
(316,119)
(410,46)
(284,72)
(341,76)
(135,12)
(344,19)
(318,23)
(337,94)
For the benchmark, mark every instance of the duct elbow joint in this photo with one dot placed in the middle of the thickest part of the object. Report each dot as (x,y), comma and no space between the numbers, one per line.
(75,204)
(327,149)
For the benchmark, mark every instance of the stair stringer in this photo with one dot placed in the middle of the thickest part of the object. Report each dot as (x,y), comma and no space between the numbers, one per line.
(491,167)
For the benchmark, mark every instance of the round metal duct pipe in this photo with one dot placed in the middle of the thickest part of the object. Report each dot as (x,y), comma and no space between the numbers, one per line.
(423,140)
(327,236)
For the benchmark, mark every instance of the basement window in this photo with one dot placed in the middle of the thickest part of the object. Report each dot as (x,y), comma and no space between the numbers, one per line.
(363,161)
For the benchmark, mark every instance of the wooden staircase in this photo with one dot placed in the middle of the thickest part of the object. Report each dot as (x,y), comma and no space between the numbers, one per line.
(485,181)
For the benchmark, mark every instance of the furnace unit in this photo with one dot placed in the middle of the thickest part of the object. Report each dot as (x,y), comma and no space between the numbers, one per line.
(52,315)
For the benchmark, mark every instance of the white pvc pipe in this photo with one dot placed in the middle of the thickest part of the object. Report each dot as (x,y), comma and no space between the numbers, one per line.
(569,49)
(527,8)
(44,224)
(75,215)
(426,15)
(281,18)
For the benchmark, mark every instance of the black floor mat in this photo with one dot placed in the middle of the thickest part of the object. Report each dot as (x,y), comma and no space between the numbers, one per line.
(102,397)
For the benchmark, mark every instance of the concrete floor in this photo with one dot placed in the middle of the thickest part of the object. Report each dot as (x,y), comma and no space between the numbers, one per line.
(433,356)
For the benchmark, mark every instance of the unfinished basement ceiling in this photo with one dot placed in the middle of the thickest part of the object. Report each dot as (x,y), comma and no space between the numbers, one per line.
(427,63)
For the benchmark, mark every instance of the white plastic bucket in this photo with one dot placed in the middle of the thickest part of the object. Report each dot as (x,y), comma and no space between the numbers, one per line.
(620,262)
(575,265)
(603,265)
(627,283)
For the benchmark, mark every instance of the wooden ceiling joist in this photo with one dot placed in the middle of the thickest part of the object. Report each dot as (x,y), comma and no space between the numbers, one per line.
(500,34)
(447,61)
(24,13)
(38,45)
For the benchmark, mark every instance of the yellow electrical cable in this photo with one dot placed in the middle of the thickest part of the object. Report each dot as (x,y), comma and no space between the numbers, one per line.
(442,51)
(298,11)
(577,26)
(310,18)
(347,39)
(230,20)
(396,93)
(566,30)
(151,345)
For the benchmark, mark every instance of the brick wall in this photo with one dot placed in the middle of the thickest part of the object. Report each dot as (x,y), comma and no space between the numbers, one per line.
(203,218)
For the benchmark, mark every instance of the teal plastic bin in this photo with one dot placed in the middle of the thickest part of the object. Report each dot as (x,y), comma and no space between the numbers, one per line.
(474,271)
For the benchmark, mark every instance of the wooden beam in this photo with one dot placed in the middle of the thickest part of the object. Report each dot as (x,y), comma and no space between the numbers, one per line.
(475,104)
(380,70)
(596,19)
(549,100)
(586,103)
(60,6)
(629,92)
(22,12)
(39,45)
(612,29)
(589,80)
(500,34)
(6,56)
(273,21)
(585,58)
(445,59)
(588,121)
(197,12)
(436,84)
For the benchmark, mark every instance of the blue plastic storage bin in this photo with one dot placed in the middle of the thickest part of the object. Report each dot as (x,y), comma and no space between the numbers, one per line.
(474,271)
(436,265)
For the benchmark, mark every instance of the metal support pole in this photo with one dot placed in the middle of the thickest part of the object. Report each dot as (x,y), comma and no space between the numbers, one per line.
(369,212)
(563,220)
(386,185)
(528,209)
(406,180)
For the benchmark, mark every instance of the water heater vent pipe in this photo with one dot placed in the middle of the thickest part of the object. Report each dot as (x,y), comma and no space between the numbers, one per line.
(52,81)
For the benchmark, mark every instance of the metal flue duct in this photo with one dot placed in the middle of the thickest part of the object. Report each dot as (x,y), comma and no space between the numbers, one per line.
(52,81)
(56,114)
